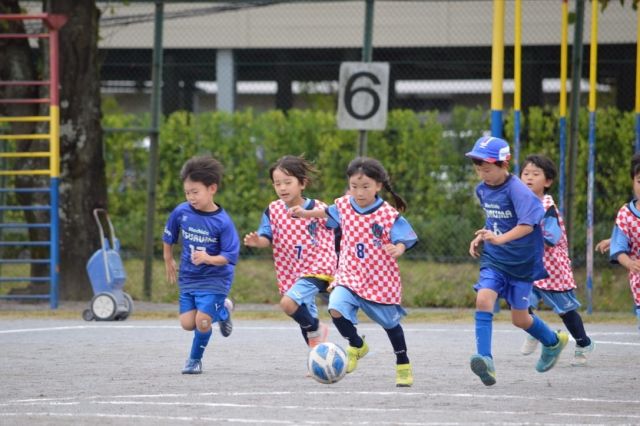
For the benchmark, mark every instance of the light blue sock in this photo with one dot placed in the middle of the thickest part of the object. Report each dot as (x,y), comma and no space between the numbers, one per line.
(200,341)
(484,331)
(541,331)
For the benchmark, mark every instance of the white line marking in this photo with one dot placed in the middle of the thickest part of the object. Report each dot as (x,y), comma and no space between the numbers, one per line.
(401,394)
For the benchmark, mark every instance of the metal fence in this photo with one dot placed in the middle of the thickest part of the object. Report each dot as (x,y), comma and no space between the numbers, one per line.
(287,54)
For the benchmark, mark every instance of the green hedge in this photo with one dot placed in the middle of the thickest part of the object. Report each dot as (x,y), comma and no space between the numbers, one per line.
(424,158)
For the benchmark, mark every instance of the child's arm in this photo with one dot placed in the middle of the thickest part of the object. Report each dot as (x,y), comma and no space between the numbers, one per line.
(301,212)
(200,257)
(473,246)
(603,246)
(629,263)
(514,233)
(395,250)
(252,239)
(551,231)
(403,237)
(170,266)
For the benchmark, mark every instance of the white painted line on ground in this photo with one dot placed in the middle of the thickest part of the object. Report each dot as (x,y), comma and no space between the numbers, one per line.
(101,398)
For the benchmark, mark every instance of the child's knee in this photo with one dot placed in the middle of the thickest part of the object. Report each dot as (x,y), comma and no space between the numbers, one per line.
(522,320)
(288,305)
(204,324)
(188,325)
(334,313)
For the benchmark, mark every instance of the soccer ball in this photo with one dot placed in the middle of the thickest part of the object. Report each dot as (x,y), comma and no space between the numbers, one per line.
(327,363)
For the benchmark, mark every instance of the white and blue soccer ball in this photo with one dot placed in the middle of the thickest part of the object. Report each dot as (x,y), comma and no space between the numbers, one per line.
(327,363)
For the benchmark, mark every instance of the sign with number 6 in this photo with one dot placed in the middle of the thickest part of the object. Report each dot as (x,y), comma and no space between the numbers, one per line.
(363,95)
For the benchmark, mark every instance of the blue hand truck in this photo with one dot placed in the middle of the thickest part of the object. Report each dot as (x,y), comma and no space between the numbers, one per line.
(107,276)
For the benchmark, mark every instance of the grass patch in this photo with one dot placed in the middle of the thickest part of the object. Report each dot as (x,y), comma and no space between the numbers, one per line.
(426,284)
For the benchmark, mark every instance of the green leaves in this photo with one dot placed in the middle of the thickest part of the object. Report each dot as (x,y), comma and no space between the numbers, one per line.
(424,158)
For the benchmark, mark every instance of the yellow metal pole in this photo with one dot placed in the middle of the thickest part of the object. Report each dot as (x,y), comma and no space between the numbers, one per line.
(517,57)
(497,67)
(54,130)
(593,56)
(564,58)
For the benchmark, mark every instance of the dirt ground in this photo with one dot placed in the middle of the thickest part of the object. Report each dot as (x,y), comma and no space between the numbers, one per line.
(68,371)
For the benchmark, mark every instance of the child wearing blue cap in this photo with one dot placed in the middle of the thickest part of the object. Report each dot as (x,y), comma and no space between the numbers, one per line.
(511,258)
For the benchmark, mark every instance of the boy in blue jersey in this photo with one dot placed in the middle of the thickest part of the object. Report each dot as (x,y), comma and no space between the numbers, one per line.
(210,248)
(511,258)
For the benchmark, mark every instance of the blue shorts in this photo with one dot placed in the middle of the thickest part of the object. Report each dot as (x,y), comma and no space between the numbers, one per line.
(211,304)
(560,301)
(515,292)
(347,303)
(304,292)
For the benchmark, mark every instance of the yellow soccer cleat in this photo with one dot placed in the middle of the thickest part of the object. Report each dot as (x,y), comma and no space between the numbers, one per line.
(354,354)
(404,375)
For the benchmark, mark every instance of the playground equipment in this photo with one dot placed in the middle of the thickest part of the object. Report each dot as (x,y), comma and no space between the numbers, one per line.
(12,148)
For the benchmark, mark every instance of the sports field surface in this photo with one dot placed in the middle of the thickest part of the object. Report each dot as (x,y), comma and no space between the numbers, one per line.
(67,371)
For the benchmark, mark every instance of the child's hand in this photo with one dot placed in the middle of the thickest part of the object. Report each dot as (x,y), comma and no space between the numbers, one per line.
(199,257)
(475,245)
(603,246)
(170,269)
(252,239)
(633,266)
(489,236)
(394,250)
(297,212)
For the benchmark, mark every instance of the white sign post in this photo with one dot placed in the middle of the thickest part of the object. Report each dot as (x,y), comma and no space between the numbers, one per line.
(363,95)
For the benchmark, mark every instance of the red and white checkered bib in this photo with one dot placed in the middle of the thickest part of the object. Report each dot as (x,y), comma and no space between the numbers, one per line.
(301,247)
(629,224)
(556,259)
(364,266)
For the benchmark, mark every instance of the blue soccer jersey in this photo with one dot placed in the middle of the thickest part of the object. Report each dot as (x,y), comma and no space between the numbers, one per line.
(506,206)
(213,232)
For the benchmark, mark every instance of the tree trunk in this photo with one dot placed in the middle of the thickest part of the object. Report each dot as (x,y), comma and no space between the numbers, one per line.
(82,181)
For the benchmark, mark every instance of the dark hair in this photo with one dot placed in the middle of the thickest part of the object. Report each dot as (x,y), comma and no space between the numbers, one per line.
(544,163)
(296,166)
(373,169)
(479,162)
(635,165)
(204,168)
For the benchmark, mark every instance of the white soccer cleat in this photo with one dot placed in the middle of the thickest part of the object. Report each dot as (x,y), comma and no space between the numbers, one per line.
(529,345)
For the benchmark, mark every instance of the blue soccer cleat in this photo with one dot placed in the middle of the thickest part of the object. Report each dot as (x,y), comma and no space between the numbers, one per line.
(482,366)
(550,354)
(192,366)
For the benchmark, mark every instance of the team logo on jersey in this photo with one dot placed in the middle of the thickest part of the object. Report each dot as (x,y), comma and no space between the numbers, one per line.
(312,229)
(377,231)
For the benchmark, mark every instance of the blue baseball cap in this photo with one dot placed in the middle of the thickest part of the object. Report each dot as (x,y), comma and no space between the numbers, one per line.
(490,149)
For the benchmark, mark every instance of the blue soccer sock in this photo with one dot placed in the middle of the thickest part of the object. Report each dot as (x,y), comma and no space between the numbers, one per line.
(396,336)
(541,331)
(303,317)
(200,341)
(574,324)
(348,331)
(484,331)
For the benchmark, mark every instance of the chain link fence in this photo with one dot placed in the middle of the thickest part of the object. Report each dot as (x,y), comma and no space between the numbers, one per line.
(287,54)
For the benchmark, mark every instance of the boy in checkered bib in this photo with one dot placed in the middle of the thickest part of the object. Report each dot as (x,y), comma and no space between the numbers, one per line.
(557,291)
(303,249)
(511,258)
(374,235)
(625,238)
